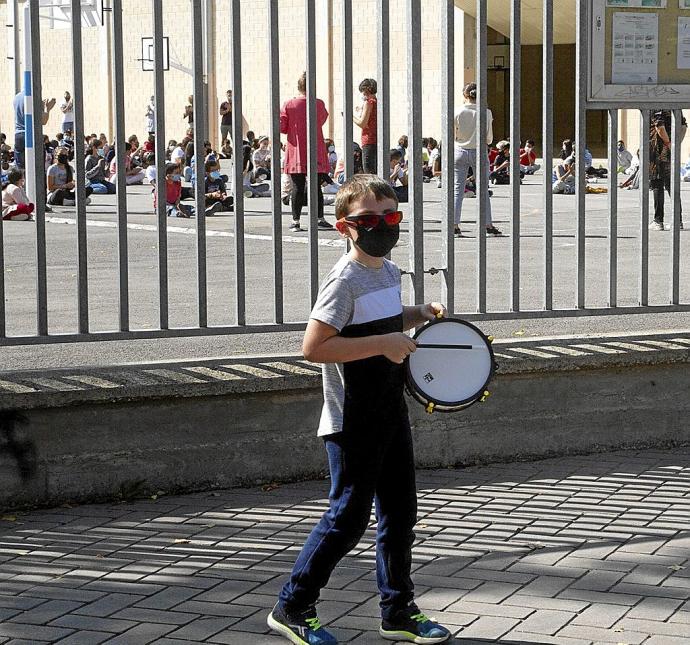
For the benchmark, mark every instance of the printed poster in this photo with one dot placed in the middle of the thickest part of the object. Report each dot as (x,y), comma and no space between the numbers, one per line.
(683,43)
(635,48)
(659,4)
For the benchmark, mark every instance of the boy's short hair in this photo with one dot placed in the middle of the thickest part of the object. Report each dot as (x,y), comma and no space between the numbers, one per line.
(209,166)
(530,142)
(395,153)
(360,186)
(14,175)
(170,168)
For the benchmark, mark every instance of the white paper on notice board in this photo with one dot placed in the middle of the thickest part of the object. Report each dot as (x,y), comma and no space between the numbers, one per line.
(683,43)
(635,48)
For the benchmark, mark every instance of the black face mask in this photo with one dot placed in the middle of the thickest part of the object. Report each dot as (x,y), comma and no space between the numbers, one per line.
(63,158)
(378,241)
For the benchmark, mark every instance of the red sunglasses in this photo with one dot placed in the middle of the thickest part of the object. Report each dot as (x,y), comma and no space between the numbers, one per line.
(372,220)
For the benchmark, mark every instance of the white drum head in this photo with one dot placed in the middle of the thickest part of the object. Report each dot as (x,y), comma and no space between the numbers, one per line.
(456,373)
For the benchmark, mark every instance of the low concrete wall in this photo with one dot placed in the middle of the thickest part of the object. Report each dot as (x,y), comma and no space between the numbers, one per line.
(248,428)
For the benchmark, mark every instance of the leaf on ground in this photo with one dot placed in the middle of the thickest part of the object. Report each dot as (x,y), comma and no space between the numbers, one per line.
(676,567)
(519,332)
(619,629)
(267,488)
(8,518)
(182,541)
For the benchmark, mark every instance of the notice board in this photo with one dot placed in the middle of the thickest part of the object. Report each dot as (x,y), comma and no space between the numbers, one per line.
(638,53)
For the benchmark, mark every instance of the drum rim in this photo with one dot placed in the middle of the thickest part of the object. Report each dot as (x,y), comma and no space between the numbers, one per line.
(422,397)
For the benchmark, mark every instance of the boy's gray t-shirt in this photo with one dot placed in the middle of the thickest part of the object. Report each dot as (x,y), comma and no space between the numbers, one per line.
(359,298)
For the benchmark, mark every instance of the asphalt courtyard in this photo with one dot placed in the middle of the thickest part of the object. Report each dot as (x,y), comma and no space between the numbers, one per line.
(569,551)
(19,250)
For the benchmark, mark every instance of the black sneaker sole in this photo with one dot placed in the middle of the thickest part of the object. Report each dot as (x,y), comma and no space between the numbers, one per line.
(409,637)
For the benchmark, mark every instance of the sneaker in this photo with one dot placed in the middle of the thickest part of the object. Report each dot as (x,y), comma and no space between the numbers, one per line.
(656,226)
(412,626)
(302,629)
(248,193)
(48,209)
(295,226)
(214,209)
(19,217)
(457,232)
(492,230)
(87,201)
(68,202)
(286,200)
(326,226)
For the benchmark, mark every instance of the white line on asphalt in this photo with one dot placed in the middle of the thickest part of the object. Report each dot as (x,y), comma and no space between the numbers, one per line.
(192,231)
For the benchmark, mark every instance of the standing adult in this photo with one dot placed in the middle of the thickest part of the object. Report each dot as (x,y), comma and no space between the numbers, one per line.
(20,127)
(67,109)
(293,123)
(189,110)
(468,147)
(660,163)
(365,118)
(226,119)
(151,116)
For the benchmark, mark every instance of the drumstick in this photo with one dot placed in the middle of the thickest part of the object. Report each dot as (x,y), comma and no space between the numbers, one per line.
(442,346)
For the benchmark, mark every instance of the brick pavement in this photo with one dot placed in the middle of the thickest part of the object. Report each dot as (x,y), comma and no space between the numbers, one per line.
(574,550)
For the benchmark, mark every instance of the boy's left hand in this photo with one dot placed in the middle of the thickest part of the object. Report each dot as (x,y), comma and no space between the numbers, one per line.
(431,310)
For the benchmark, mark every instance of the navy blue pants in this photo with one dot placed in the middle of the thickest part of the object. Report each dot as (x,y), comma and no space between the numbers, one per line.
(366,466)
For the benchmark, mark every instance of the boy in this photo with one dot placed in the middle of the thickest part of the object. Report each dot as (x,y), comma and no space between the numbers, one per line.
(398,178)
(217,198)
(356,331)
(173,194)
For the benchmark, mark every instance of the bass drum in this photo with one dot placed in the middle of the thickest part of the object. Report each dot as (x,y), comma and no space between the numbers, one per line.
(451,367)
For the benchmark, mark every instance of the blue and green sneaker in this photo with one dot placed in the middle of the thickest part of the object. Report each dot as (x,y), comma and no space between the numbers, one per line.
(303,628)
(413,626)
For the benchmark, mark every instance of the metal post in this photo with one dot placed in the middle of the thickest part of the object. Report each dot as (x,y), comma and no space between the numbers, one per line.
(348,151)
(13,44)
(237,155)
(447,139)
(515,93)
(547,149)
(580,145)
(482,170)
(613,208)
(78,98)
(161,210)
(198,48)
(644,208)
(414,149)
(276,205)
(312,151)
(676,131)
(120,180)
(383,130)
(34,143)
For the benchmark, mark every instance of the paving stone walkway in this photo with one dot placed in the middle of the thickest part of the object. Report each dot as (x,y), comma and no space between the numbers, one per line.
(575,550)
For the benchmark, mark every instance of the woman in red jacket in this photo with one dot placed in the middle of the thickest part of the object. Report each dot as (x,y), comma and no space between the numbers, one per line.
(293,123)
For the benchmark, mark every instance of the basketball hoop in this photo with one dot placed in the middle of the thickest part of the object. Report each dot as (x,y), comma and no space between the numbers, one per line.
(148,54)
(59,12)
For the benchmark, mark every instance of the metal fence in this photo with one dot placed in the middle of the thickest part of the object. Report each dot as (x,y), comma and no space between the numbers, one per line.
(415,272)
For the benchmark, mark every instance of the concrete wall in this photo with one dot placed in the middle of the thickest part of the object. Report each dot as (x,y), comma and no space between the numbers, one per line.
(194,440)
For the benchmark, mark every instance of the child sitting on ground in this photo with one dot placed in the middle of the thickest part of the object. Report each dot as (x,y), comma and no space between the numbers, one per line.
(356,332)
(173,194)
(217,198)
(15,204)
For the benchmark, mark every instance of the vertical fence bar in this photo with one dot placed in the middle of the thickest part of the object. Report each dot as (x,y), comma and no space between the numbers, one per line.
(644,208)
(447,138)
(676,128)
(613,208)
(547,148)
(580,145)
(198,46)
(161,210)
(35,131)
(482,163)
(312,150)
(237,154)
(120,180)
(276,205)
(78,96)
(348,151)
(414,149)
(383,133)
(515,85)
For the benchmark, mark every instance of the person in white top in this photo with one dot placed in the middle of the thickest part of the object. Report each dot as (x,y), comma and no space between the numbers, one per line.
(67,109)
(466,152)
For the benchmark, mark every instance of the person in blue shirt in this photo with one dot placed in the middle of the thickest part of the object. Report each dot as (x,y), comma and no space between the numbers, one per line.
(20,127)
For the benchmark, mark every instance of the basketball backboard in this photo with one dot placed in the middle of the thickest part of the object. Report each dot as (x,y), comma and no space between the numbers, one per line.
(147,54)
(59,12)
